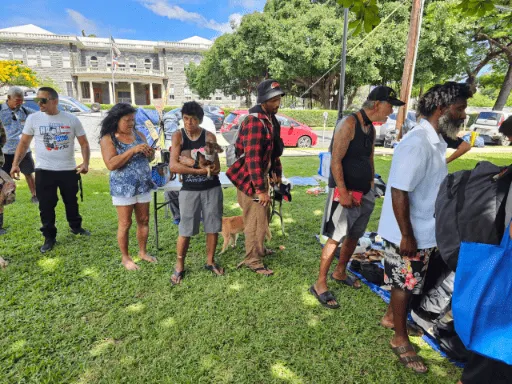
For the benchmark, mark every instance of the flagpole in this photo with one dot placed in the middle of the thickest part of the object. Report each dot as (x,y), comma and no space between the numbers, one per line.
(112,67)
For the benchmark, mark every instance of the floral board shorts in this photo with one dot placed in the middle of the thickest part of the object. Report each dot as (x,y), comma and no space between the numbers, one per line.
(405,272)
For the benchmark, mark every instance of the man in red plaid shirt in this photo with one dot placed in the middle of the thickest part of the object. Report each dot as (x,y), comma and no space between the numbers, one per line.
(258,148)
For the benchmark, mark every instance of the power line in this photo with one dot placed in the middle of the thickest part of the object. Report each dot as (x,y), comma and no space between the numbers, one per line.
(357,45)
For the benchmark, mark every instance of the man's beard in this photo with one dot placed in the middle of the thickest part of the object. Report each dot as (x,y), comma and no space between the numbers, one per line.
(450,127)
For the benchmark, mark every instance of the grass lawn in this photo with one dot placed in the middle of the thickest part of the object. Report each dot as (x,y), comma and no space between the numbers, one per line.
(76,316)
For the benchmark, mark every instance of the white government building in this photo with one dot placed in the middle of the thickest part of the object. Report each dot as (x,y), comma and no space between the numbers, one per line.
(82,66)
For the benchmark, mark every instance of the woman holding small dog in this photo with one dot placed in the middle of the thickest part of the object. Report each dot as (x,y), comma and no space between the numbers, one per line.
(201,193)
(127,155)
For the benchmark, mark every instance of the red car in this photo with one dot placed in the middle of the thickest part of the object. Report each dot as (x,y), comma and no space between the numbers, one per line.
(293,133)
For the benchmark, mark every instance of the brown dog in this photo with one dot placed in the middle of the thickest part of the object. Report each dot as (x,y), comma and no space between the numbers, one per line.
(205,158)
(232,227)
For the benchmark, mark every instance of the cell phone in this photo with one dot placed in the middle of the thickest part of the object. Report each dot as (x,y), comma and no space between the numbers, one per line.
(357,195)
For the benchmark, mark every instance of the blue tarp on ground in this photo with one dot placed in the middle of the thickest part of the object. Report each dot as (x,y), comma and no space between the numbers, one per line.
(386,295)
(147,122)
(303,181)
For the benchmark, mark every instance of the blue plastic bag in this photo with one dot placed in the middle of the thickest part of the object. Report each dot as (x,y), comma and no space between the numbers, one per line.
(482,298)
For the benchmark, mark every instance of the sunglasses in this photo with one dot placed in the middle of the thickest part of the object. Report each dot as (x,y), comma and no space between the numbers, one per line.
(42,100)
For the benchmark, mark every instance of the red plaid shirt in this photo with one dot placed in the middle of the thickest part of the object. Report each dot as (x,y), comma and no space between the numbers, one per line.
(248,173)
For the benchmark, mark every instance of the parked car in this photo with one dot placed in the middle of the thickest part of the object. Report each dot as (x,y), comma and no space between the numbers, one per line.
(487,124)
(213,109)
(215,117)
(66,104)
(381,130)
(293,133)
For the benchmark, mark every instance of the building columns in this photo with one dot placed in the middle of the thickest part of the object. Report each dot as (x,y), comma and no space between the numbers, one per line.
(132,92)
(111,93)
(79,90)
(150,93)
(91,91)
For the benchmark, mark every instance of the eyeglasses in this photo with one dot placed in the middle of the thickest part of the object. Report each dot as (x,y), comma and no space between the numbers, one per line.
(42,100)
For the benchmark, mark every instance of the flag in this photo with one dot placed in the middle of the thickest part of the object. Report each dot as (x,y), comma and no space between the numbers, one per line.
(116,53)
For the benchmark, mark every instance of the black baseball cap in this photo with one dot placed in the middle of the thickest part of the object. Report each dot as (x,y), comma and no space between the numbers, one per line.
(268,89)
(383,93)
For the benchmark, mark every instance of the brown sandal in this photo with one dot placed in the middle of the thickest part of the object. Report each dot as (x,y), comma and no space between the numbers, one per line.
(406,360)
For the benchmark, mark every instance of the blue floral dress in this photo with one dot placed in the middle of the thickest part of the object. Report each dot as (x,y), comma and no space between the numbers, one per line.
(134,178)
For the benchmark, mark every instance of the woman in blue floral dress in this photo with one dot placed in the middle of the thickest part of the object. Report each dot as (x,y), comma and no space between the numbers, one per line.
(127,155)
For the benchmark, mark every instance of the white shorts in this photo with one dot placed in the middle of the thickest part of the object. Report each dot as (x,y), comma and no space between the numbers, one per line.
(139,199)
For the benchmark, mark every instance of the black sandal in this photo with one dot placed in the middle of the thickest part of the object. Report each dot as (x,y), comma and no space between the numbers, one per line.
(214,267)
(177,275)
(324,298)
(407,360)
(350,281)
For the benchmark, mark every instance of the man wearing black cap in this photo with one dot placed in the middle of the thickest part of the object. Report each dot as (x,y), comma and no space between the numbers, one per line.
(258,148)
(351,198)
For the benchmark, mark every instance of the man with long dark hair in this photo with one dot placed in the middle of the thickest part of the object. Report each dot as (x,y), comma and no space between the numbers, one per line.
(407,222)
(54,132)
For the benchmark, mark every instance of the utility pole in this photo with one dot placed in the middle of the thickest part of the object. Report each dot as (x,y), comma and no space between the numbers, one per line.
(343,65)
(410,61)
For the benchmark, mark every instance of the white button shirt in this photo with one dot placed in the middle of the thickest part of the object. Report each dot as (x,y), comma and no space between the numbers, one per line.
(418,167)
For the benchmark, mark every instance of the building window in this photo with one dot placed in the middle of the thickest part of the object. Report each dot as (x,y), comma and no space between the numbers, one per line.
(186,91)
(31,58)
(133,62)
(147,63)
(86,90)
(170,68)
(218,98)
(66,60)
(4,54)
(188,98)
(46,60)
(18,55)
(233,97)
(124,97)
(171,97)
(69,88)
(94,62)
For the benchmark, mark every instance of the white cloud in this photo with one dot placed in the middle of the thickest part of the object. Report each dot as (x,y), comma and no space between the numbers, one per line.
(248,5)
(173,12)
(82,22)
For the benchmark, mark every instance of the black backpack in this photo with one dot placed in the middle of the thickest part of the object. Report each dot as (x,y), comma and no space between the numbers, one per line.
(470,207)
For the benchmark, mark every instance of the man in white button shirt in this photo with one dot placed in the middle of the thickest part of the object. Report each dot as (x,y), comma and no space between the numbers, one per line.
(407,222)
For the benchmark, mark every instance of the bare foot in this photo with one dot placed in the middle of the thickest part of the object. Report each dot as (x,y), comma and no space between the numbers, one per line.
(129,264)
(3,263)
(416,366)
(322,288)
(148,258)
(387,322)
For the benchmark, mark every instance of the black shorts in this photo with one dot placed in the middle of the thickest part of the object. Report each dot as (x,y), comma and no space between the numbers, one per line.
(26,165)
(482,370)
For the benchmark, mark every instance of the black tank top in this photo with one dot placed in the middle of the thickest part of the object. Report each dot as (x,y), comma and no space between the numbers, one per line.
(357,167)
(196,182)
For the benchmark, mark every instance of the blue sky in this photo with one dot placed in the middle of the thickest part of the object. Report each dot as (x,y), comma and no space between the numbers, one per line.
(169,20)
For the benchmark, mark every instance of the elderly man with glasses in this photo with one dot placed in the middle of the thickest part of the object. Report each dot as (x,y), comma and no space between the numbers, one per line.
(13,116)
(54,132)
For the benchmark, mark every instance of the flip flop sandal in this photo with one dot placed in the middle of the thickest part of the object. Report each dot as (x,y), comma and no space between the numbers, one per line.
(324,298)
(406,360)
(214,267)
(177,275)
(350,280)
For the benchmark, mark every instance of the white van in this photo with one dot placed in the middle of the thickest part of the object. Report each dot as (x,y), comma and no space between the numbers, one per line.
(487,125)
